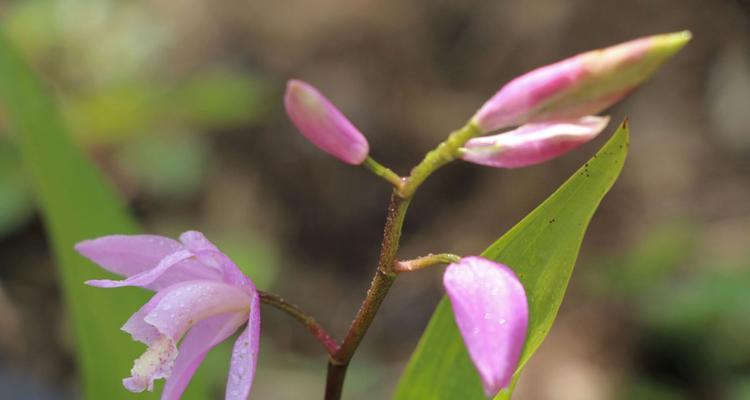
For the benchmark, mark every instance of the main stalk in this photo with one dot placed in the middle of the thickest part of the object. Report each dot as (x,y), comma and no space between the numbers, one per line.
(385,275)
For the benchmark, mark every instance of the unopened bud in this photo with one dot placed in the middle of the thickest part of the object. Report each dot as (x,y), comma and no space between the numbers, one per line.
(578,86)
(323,124)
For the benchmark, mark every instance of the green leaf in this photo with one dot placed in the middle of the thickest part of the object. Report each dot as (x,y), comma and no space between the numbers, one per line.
(76,204)
(542,250)
(16,205)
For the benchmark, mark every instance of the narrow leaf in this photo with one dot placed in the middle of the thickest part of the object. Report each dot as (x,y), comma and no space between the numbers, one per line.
(542,250)
(76,204)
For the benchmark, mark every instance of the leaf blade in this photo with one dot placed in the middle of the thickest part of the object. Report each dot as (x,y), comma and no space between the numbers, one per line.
(542,250)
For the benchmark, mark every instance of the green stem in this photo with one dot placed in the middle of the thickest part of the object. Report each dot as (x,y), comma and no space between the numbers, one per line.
(441,155)
(383,172)
(386,272)
(425,261)
(321,335)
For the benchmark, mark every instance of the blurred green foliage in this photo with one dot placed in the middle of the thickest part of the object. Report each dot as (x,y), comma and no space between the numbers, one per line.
(690,314)
(109,61)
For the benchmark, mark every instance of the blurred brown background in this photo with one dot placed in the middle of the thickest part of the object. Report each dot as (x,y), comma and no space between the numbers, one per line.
(179,102)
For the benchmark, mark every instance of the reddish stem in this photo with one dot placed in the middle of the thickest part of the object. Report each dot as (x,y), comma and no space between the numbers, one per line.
(321,335)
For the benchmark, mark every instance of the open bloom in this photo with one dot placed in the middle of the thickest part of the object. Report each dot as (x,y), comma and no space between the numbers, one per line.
(578,86)
(532,143)
(323,124)
(201,298)
(491,312)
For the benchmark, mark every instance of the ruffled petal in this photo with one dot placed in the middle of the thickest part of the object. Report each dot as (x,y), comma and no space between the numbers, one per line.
(136,325)
(155,363)
(245,356)
(194,347)
(128,254)
(491,312)
(168,315)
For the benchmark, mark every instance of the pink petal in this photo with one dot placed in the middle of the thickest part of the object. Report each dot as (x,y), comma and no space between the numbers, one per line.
(323,124)
(581,85)
(208,254)
(194,347)
(127,254)
(532,143)
(179,266)
(195,260)
(136,325)
(185,304)
(245,356)
(491,312)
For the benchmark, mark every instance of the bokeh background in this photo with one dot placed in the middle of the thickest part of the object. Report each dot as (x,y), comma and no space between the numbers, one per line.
(179,103)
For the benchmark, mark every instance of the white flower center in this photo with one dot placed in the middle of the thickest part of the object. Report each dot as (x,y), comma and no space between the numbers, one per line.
(155,363)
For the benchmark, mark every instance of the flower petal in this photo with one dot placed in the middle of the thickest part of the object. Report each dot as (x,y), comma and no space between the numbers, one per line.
(184,304)
(245,356)
(136,325)
(194,347)
(208,254)
(532,143)
(491,312)
(176,267)
(127,254)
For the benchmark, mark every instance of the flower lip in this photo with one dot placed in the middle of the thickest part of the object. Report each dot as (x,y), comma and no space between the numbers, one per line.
(164,320)
(155,363)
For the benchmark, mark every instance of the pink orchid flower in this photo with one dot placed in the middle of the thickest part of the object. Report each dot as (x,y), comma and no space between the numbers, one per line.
(201,299)
(491,312)
(323,124)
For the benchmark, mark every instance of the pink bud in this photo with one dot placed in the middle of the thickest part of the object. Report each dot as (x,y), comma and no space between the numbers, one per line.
(578,86)
(532,143)
(491,312)
(323,124)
